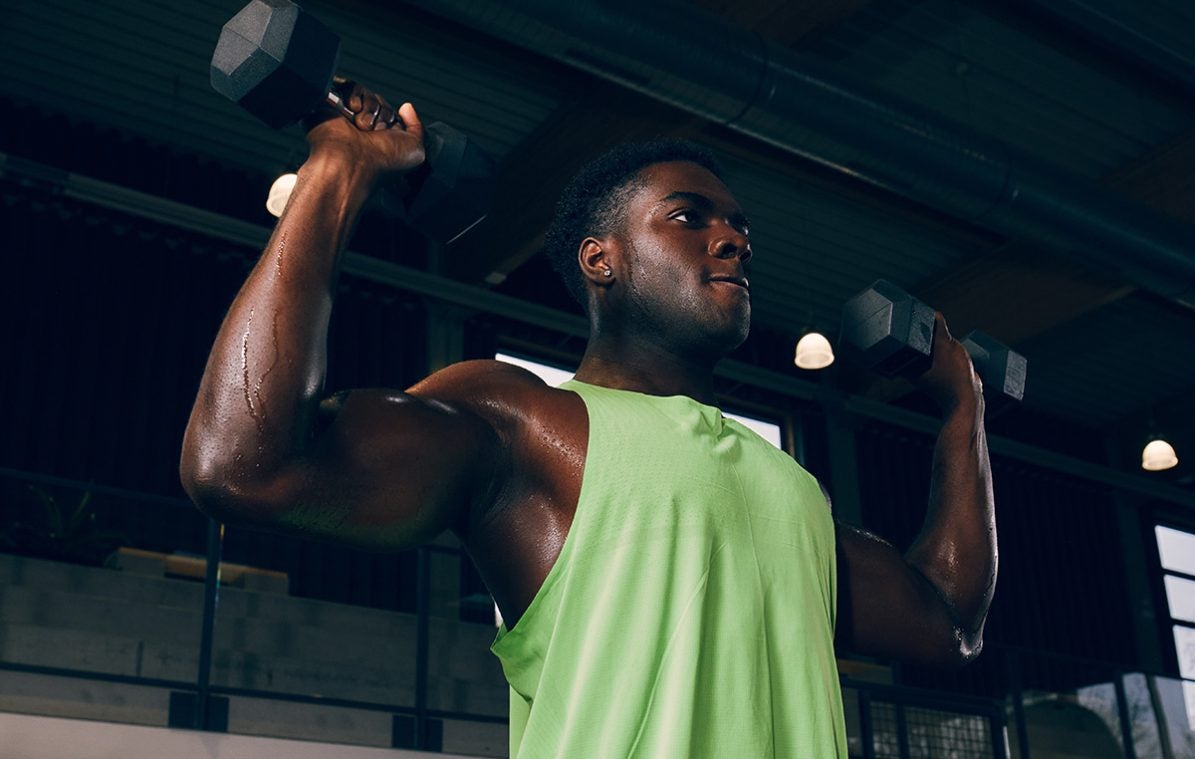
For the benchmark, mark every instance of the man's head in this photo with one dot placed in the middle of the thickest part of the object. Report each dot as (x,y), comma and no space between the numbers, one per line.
(654,245)
(593,204)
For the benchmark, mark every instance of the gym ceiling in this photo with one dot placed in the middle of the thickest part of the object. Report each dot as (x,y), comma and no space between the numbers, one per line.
(1090,104)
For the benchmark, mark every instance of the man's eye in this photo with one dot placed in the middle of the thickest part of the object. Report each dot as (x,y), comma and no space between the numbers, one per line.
(686,216)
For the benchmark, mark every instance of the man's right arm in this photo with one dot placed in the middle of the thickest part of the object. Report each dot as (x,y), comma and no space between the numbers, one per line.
(378,468)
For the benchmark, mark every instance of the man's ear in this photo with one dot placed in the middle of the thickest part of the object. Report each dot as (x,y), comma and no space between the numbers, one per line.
(598,258)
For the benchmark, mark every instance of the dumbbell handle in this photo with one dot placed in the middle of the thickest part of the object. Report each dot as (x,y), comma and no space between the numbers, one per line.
(337,102)
(278,63)
(388,200)
(334,99)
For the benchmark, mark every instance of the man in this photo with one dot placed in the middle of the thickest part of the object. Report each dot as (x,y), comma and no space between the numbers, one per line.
(669,581)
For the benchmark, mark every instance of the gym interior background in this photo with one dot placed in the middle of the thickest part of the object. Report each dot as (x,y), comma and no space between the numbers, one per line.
(1026,167)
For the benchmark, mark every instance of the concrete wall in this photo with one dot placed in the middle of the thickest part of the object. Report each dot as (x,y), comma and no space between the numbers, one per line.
(116,622)
(31,737)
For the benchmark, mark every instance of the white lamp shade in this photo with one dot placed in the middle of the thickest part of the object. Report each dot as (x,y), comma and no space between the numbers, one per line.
(1158,455)
(814,352)
(280,193)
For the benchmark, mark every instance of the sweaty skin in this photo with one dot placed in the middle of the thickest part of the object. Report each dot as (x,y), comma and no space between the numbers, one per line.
(490,452)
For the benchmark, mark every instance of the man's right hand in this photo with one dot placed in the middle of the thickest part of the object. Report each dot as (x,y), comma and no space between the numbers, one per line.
(379,139)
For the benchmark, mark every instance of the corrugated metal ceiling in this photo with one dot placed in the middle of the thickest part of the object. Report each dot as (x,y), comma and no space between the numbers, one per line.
(1081,114)
(142,67)
(1116,361)
(816,247)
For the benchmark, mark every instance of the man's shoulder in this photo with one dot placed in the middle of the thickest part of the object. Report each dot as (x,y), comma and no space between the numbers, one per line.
(541,430)
(495,390)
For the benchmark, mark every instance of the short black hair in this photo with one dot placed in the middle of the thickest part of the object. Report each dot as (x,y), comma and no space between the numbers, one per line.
(593,202)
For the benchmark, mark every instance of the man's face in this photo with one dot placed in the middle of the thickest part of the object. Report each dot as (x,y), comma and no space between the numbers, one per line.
(687,246)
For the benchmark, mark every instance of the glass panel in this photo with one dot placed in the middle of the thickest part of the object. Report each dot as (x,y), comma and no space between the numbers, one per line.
(1184,643)
(470,738)
(1147,739)
(1176,705)
(313,619)
(549,374)
(309,722)
(88,589)
(80,698)
(854,726)
(1058,719)
(1189,697)
(1176,549)
(1180,593)
(464,678)
(1101,701)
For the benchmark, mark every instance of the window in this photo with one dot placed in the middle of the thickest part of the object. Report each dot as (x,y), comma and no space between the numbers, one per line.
(766,430)
(550,374)
(1176,549)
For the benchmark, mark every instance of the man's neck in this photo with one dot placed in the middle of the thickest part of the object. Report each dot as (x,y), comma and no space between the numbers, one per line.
(646,368)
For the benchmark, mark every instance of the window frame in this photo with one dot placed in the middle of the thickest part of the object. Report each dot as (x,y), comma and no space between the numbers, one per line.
(1166,622)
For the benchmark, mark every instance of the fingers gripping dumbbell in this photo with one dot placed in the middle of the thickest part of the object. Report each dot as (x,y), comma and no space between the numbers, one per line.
(278,63)
(887,330)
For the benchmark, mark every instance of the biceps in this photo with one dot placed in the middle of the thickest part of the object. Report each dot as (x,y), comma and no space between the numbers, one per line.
(887,608)
(389,470)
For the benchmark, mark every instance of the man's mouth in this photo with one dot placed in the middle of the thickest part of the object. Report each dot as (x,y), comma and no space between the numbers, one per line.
(740,281)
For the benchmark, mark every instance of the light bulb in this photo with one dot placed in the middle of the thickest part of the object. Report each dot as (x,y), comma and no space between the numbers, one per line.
(280,193)
(813,352)
(1158,455)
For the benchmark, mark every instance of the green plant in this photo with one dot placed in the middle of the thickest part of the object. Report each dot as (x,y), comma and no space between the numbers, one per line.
(54,530)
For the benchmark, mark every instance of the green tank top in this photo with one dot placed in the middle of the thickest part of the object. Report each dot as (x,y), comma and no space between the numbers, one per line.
(690,613)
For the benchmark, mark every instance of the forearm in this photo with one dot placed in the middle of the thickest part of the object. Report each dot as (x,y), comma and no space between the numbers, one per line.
(260,390)
(956,550)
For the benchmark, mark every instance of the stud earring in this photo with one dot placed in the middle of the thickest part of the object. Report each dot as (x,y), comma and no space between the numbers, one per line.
(608,273)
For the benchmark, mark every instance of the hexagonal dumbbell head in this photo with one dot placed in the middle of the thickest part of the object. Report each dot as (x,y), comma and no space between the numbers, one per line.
(887,330)
(454,191)
(1001,368)
(275,60)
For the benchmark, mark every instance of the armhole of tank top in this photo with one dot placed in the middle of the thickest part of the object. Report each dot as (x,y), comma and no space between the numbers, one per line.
(560,566)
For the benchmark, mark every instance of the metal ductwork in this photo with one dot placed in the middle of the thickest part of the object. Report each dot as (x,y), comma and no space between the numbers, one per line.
(1138,32)
(693,60)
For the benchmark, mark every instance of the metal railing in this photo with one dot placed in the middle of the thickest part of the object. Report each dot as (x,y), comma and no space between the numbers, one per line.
(886,720)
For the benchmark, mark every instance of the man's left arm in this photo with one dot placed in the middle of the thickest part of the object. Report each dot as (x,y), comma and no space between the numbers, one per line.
(929,605)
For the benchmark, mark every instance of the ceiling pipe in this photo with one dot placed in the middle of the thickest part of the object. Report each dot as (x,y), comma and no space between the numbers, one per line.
(693,60)
(1167,51)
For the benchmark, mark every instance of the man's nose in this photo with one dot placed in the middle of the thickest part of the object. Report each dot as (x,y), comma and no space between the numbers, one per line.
(731,244)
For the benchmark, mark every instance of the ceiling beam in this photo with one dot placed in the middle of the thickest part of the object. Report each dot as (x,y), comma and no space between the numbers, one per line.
(1018,290)
(532,176)
(784,22)
(531,179)
(1164,179)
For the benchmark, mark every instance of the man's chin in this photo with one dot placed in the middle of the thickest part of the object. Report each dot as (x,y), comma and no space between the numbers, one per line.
(733,337)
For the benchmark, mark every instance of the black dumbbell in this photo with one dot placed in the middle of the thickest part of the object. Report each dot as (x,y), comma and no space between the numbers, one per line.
(891,332)
(278,62)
